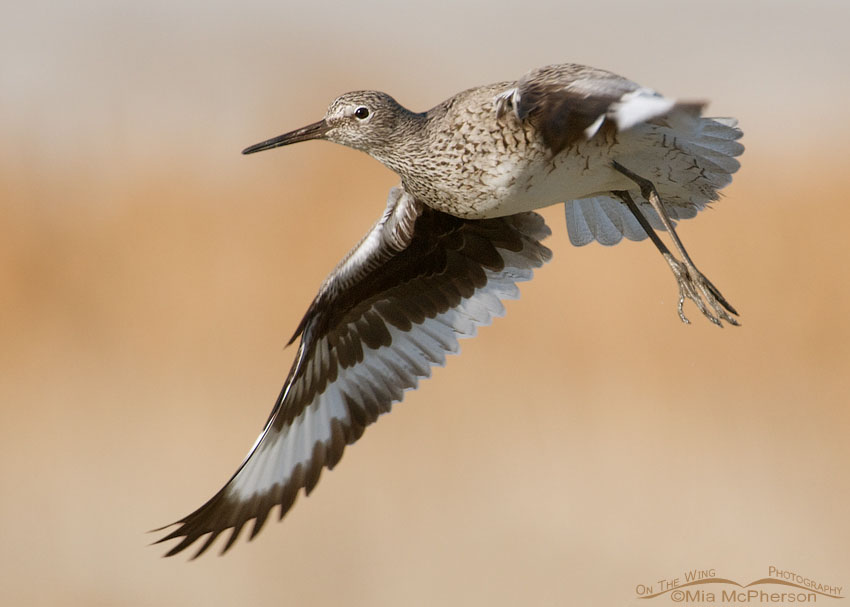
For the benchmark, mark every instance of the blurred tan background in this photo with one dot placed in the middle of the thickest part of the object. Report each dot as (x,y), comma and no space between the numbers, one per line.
(587,443)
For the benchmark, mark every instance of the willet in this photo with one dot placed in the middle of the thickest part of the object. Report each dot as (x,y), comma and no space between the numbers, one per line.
(456,236)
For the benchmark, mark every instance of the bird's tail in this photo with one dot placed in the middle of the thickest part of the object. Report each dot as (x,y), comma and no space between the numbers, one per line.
(700,160)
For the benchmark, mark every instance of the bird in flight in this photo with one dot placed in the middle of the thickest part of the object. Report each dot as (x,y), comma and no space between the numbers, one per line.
(456,236)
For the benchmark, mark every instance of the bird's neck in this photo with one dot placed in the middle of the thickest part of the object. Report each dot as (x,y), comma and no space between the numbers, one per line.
(407,149)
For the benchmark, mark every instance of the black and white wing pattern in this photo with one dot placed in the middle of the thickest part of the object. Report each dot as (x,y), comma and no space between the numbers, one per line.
(568,103)
(394,307)
(571,103)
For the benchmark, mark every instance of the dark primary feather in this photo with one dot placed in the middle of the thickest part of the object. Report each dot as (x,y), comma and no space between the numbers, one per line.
(564,100)
(371,333)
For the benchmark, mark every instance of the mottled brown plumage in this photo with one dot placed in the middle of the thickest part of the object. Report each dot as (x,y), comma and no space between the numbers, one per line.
(456,237)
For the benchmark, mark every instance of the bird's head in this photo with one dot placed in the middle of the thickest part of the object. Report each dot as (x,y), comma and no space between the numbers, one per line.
(363,120)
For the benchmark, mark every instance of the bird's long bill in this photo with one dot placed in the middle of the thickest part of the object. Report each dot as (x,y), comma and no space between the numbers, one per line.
(311,131)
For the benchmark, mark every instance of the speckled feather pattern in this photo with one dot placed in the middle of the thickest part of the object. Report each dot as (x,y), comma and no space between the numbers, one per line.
(455,239)
(467,158)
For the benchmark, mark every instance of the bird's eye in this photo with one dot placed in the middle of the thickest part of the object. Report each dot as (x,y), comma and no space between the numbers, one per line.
(361,113)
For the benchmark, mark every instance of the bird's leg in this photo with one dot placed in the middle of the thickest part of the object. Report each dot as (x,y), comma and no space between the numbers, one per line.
(692,283)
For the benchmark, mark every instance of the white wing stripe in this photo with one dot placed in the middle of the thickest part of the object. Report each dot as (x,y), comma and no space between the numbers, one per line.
(388,370)
(639,106)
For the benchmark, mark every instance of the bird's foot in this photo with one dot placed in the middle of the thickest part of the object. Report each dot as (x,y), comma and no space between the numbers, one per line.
(695,286)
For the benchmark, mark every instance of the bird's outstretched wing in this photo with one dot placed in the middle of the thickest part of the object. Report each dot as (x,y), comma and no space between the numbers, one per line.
(568,103)
(394,307)
(571,103)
